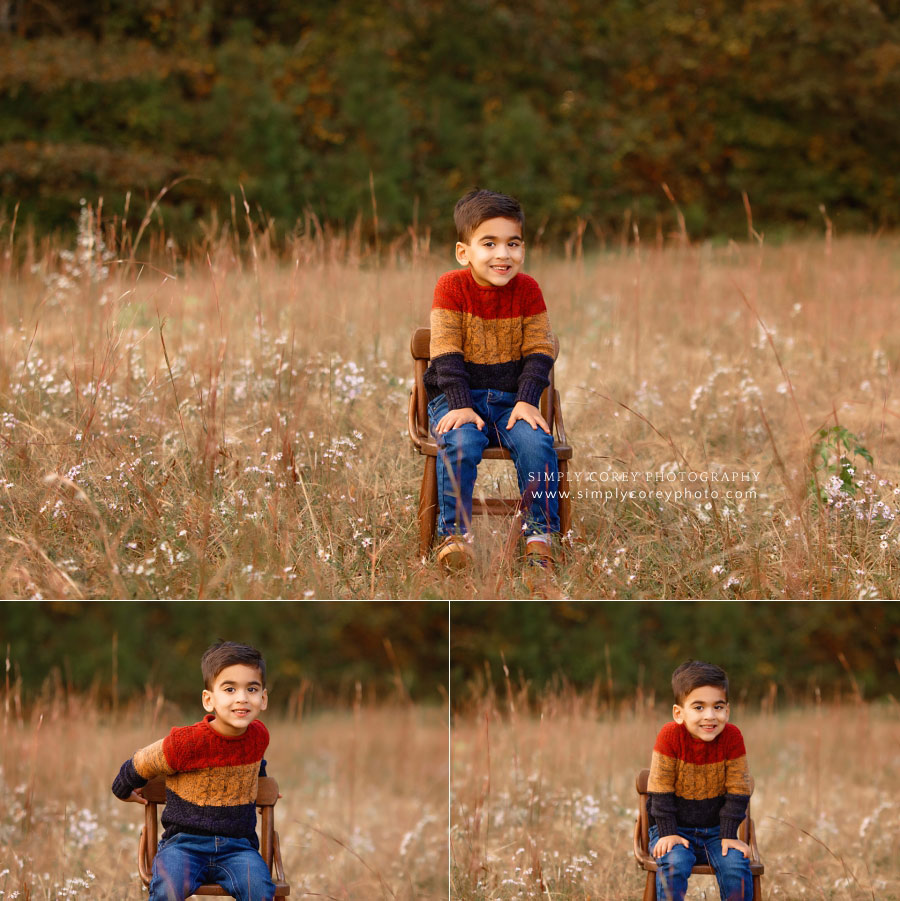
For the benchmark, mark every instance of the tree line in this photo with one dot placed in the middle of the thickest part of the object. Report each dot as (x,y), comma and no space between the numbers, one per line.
(319,651)
(314,652)
(662,114)
(799,652)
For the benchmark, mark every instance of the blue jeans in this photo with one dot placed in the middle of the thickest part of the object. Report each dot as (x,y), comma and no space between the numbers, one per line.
(459,454)
(673,869)
(184,862)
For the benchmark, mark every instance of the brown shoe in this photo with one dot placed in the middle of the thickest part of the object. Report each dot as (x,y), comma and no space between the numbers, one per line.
(538,553)
(455,552)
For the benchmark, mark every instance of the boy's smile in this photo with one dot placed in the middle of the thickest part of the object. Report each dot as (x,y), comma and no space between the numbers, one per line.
(237,698)
(704,712)
(494,253)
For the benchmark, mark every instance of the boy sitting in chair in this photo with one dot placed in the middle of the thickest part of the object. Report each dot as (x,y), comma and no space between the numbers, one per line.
(699,788)
(491,355)
(211,771)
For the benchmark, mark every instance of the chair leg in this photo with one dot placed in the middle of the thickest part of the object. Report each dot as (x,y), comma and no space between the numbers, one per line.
(650,887)
(428,506)
(757,888)
(565,502)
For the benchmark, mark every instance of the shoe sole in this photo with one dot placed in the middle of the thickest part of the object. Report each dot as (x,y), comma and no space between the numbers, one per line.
(454,557)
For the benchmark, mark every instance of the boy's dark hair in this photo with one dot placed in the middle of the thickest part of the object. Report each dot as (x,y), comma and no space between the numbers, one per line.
(478,205)
(227,653)
(695,674)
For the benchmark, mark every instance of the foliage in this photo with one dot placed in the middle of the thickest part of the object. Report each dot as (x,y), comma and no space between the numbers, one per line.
(832,459)
(624,649)
(121,648)
(581,111)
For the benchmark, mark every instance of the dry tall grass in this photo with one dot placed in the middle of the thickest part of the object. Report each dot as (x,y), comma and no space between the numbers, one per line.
(233,424)
(363,817)
(543,801)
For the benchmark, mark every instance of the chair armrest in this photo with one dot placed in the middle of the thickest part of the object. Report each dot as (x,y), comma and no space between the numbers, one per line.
(643,857)
(558,419)
(276,859)
(754,849)
(638,851)
(412,425)
(142,857)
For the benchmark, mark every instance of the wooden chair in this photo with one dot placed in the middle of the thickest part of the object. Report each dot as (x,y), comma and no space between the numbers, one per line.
(551,410)
(646,861)
(269,846)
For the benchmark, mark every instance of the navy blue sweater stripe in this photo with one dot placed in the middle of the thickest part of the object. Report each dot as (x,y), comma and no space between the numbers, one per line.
(451,375)
(696,814)
(237,821)
(127,780)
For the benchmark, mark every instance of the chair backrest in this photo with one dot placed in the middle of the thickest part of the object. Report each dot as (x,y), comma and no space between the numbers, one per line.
(420,348)
(155,793)
(640,783)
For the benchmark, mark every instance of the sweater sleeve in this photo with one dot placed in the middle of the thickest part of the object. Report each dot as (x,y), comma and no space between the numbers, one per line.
(138,770)
(447,323)
(737,786)
(534,378)
(537,348)
(661,785)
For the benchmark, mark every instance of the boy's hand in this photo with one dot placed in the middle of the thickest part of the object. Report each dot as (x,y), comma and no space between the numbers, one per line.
(738,845)
(667,842)
(455,418)
(528,413)
(137,797)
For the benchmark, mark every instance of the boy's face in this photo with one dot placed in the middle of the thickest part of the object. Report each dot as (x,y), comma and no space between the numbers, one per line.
(495,252)
(704,712)
(237,698)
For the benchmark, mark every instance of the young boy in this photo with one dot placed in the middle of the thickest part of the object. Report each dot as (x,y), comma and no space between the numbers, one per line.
(491,355)
(699,788)
(211,771)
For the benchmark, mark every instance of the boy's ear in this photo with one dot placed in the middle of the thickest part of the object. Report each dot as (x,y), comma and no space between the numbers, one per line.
(265,700)
(461,256)
(677,713)
(207,700)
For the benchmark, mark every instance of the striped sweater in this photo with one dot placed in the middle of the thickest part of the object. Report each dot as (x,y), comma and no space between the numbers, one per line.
(211,779)
(695,783)
(488,337)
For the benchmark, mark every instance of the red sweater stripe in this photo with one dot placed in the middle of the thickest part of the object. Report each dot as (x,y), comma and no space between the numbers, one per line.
(200,747)
(459,291)
(674,741)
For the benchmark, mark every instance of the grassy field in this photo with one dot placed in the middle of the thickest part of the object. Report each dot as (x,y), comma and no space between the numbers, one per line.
(363,817)
(233,424)
(543,801)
